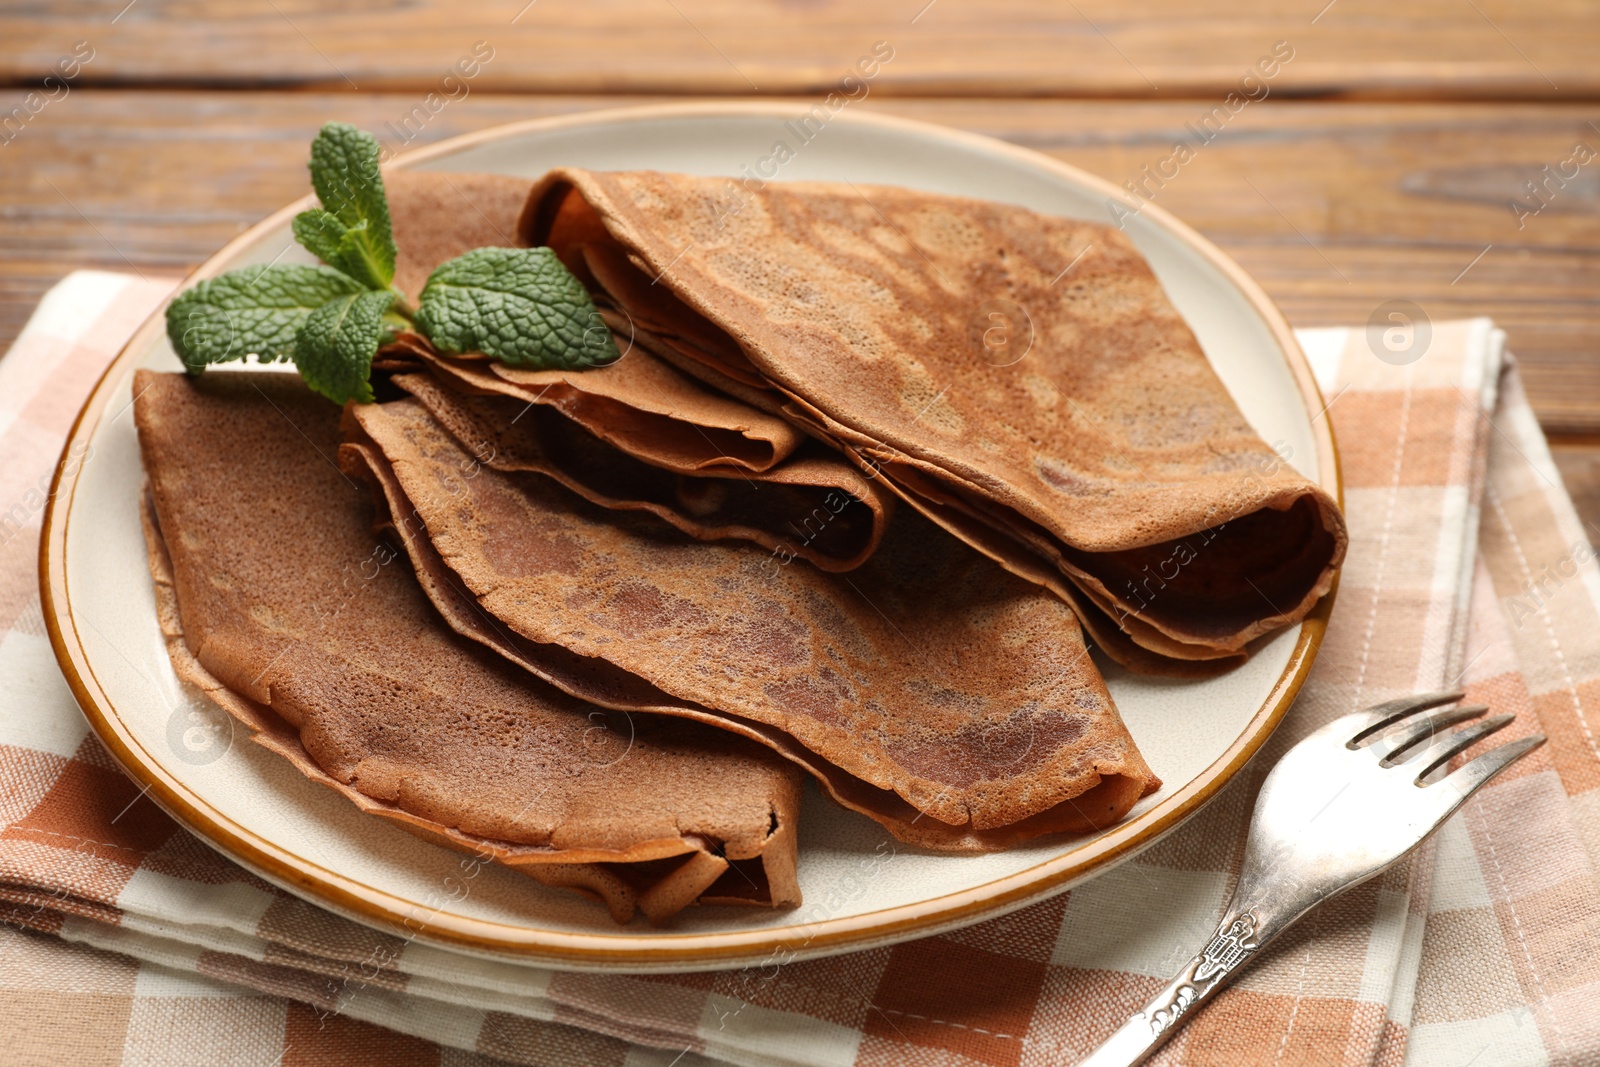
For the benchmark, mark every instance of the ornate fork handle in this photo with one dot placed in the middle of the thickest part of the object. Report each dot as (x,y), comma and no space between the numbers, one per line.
(1368,781)
(1240,935)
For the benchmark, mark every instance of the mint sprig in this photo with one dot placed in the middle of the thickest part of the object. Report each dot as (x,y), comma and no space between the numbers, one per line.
(517,305)
(345,175)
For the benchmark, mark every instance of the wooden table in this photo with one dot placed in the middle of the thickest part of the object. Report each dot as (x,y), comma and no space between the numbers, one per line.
(1379,162)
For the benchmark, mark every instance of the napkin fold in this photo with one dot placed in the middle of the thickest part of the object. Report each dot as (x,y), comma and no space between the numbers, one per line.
(1468,567)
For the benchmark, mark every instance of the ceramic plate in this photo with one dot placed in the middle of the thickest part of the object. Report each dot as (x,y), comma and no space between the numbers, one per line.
(861,888)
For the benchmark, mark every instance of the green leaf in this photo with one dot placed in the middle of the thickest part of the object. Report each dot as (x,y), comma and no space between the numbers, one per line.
(319,232)
(347,248)
(360,258)
(517,305)
(336,343)
(345,174)
(256,311)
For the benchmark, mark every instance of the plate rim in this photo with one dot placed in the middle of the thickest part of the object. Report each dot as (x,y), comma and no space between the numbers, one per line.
(662,950)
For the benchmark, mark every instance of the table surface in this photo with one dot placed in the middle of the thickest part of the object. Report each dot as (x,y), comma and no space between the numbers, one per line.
(1380,160)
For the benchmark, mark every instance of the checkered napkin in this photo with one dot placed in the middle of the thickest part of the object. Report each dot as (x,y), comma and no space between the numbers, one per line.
(1467,567)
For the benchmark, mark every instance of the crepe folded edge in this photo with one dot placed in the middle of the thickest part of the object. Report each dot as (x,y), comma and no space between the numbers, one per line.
(1099,797)
(827,494)
(656,878)
(582,206)
(639,404)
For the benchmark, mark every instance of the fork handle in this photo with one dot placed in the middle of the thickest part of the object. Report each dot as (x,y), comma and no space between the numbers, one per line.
(1240,935)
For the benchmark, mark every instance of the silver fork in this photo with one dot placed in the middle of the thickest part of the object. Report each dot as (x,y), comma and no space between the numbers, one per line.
(1343,804)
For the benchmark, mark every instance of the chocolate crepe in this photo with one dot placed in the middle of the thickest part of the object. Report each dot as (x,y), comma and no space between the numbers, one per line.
(711,465)
(812,505)
(639,404)
(280,604)
(1106,462)
(929,689)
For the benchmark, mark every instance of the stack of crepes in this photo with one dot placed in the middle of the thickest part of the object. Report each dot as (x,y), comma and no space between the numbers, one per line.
(808,507)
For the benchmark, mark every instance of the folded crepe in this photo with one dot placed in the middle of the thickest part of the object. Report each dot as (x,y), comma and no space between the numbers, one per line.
(282,606)
(954,703)
(639,404)
(1107,462)
(812,505)
(711,465)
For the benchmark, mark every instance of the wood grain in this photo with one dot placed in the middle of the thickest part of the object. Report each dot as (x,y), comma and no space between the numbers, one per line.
(1102,48)
(1334,207)
(1577,457)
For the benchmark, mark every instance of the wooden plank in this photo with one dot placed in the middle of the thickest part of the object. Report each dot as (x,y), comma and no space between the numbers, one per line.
(1334,207)
(1101,48)
(1578,459)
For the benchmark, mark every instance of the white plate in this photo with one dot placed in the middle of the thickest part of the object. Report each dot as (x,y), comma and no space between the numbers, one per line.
(861,888)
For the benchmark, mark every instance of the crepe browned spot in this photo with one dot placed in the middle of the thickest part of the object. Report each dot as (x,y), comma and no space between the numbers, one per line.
(951,701)
(812,506)
(279,603)
(1087,446)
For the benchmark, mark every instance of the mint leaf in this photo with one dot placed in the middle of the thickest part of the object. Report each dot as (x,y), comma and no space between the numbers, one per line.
(346,248)
(345,174)
(517,305)
(319,232)
(360,258)
(256,311)
(335,345)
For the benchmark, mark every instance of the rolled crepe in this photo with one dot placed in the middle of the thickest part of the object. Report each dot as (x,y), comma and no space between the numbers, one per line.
(1095,453)
(930,690)
(281,605)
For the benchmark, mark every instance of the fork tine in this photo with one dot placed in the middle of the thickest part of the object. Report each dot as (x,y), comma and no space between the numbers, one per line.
(1477,772)
(1390,746)
(1382,716)
(1439,753)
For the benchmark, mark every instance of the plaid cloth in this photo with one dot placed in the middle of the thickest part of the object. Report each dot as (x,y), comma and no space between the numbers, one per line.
(1481,950)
